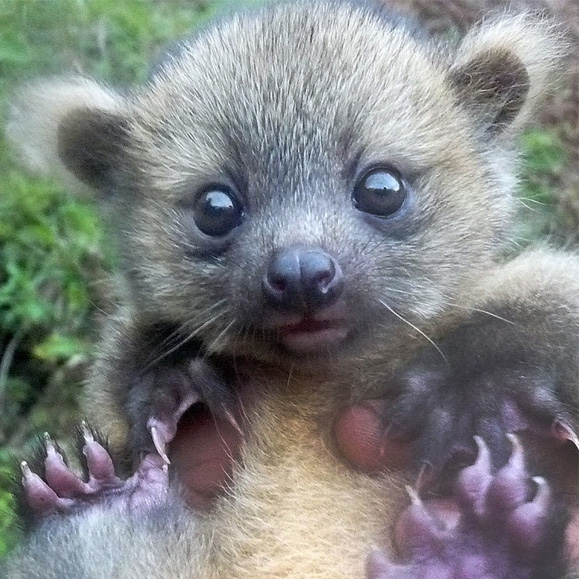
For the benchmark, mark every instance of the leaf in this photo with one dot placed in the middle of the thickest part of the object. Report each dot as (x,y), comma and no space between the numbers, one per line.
(59,347)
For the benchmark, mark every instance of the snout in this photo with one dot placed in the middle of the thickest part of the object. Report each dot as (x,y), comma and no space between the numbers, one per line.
(302,288)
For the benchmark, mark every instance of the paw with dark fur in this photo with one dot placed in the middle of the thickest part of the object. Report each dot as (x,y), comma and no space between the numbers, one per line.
(161,395)
(489,377)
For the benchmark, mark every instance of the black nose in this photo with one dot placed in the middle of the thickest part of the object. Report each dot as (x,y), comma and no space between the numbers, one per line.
(302,280)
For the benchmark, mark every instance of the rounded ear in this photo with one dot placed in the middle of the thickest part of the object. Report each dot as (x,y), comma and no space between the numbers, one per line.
(71,128)
(495,86)
(504,67)
(89,144)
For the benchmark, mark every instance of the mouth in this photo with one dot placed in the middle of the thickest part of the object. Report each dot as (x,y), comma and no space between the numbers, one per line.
(310,337)
(310,334)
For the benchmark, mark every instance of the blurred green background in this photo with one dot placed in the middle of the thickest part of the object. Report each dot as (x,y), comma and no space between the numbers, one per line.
(53,260)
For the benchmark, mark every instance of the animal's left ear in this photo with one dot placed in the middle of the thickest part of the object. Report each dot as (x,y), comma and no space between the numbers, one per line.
(503,67)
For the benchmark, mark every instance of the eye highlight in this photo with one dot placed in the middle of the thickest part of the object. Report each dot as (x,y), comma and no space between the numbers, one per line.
(380,191)
(217,211)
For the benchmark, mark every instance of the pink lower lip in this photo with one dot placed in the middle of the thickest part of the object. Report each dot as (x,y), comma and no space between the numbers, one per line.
(309,336)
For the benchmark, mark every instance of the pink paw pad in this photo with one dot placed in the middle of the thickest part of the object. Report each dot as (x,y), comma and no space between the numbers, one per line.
(61,490)
(503,522)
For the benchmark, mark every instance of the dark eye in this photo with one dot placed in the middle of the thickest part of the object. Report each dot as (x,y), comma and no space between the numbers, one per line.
(217,212)
(380,191)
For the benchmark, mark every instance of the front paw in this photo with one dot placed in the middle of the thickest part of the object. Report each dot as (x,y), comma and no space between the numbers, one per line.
(50,487)
(161,395)
(477,383)
(501,525)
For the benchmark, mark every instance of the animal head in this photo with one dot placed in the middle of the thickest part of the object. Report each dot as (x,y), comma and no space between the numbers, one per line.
(302,179)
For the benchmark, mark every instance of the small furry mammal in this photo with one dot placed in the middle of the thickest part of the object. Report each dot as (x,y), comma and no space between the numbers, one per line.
(312,203)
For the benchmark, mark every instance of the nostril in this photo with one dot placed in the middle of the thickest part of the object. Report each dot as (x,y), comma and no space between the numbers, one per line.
(324,278)
(277,282)
(320,272)
(282,281)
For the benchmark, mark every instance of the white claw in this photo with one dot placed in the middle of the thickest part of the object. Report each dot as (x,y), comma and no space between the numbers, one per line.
(482,445)
(86,432)
(49,444)
(484,454)
(517,458)
(543,494)
(516,443)
(159,445)
(517,446)
(563,430)
(414,497)
(51,449)
(25,469)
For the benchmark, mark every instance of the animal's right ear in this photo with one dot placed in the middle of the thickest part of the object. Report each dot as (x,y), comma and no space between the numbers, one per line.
(503,68)
(70,128)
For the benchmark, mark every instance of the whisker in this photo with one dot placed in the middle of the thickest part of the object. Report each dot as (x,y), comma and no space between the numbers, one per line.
(403,319)
(184,338)
(452,305)
(211,347)
(480,311)
(535,201)
(528,207)
(167,343)
(223,439)
(289,376)
(398,291)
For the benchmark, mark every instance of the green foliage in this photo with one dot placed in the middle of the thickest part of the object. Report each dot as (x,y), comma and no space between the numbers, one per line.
(111,39)
(49,241)
(545,160)
(8,529)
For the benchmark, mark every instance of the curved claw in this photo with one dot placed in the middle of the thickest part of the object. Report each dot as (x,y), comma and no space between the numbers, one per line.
(86,432)
(543,496)
(510,486)
(39,496)
(159,443)
(232,420)
(562,431)
(58,475)
(418,532)
(474,481)
(526,524)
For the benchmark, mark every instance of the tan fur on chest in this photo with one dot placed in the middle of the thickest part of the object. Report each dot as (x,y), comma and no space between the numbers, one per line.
(296,509)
